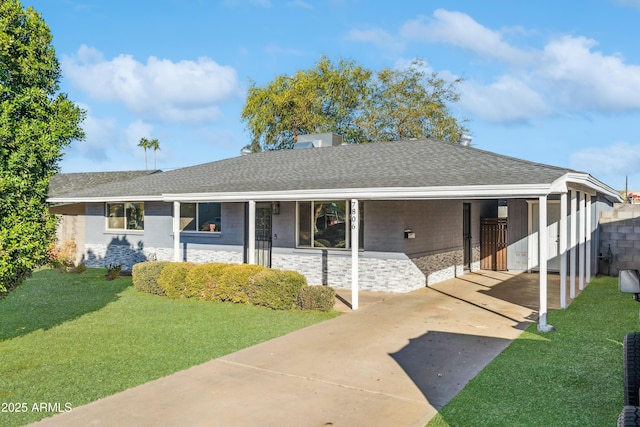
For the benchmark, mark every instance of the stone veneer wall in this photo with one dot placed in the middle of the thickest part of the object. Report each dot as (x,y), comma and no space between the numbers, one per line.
(127,256)
(620,228)
(378,271)
(438,267)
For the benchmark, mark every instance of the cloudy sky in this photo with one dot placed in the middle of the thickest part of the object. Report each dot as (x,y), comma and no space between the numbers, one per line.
(547,81)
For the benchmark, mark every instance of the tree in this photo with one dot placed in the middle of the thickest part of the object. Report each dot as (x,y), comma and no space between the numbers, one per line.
(36,124)
(156,146)
(326,98)
(350,100)
(145,143)
(411,104)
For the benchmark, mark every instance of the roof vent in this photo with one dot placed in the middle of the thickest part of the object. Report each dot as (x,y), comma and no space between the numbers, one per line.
(465,139)
(317,140)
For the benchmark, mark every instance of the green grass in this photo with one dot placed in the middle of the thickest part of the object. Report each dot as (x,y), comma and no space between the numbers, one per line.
(569,377)
(77,338)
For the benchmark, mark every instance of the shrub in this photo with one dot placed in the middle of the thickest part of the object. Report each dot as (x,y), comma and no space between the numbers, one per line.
(317,297)
(63,255)
(146,274)
(172,278)
(275,289)
(234,282)
(113,271)
(202,279)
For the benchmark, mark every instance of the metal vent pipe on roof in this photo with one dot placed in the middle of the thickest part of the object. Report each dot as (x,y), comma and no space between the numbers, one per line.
(465,139)
(317,140)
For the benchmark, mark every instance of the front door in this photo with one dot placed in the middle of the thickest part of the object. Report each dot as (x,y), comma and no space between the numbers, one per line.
(263,234)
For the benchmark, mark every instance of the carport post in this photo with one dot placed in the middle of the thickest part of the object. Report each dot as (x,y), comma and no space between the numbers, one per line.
(176,231)
(543,255)
(581,245)
(251,235)
(574,242)
(355,241)
(563,250)
(587,251)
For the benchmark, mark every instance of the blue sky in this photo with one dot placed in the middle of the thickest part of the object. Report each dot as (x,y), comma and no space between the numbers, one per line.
(549,81)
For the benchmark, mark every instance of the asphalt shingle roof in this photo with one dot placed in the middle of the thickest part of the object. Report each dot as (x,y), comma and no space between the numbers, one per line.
(69,184)
(422,163)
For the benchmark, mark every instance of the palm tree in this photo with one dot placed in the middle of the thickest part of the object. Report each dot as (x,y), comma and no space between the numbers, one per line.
(156,146)
(145,143)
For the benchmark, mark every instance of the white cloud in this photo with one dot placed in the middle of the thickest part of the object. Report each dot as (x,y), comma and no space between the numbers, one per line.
(240,3)
(273,49)
(378,37)
(184,91)
(586,80)
(618,159)
(100,135)
(459,29)
(300,4)
(631,3)
(506,100)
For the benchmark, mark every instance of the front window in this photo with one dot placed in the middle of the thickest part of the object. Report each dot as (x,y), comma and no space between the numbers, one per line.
(201,217)
(324,224)
(125,216)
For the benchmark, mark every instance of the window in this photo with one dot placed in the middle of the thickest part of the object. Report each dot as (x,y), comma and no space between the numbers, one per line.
(324,224)
(201,217)
(125,216)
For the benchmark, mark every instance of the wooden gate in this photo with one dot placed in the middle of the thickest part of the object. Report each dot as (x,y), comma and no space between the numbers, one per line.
(493,244)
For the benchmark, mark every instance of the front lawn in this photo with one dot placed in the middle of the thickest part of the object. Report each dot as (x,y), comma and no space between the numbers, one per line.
(570,377)
(67,339)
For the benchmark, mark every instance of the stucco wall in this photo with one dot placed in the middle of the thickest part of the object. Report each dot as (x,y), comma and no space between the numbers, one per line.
(71,226)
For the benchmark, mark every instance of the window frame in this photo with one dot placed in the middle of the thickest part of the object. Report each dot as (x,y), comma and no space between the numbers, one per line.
(197,218)
(124,217)
(347,225)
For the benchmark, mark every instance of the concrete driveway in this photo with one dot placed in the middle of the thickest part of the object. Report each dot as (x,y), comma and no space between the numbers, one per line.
(395,361)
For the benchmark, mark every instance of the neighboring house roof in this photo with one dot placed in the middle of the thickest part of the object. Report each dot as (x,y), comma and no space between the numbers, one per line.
(403,169)
(72,183)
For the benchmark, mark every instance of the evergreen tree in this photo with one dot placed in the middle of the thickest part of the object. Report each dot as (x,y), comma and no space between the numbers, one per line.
(36,124)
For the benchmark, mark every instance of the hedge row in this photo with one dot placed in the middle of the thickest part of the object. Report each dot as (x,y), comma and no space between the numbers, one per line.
(238,283)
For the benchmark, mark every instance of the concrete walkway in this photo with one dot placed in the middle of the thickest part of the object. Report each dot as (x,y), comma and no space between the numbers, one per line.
(395,361)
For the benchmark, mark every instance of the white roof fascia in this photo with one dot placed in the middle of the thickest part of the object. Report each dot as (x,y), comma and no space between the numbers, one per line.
(105,199)
(585,183)
(391,193)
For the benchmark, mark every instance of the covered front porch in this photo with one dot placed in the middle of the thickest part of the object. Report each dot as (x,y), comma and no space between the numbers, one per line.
(515,295)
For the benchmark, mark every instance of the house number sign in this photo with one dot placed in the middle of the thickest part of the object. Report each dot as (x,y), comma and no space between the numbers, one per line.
(354,214)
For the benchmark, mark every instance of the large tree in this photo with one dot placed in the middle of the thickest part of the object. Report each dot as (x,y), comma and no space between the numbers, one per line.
(325,98)
(36,123)
(361,105)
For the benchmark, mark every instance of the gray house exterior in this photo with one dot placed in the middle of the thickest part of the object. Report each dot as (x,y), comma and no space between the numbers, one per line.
(393,216)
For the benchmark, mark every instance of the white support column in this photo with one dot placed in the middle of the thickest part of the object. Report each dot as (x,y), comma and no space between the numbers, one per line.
(251,238)
(574,243)
(587,250)
(176,231)
(581,235)
(563,250)
(543,237)
(355,241)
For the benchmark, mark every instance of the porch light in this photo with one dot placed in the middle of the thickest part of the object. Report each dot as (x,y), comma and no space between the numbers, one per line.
(275,208)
